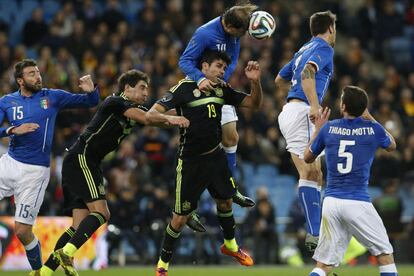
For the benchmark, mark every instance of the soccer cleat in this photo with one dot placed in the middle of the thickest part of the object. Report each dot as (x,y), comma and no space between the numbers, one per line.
(242,200)
(311,242)
(161,272)
(65,262)
(35,273)
(194,223)
(242,257)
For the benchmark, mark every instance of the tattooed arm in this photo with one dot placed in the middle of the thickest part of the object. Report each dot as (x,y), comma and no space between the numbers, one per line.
(309,87)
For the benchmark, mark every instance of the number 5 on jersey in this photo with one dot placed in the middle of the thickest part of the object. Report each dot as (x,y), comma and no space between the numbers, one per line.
(349,157)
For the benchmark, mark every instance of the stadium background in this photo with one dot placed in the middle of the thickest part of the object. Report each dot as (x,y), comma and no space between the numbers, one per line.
(374,50)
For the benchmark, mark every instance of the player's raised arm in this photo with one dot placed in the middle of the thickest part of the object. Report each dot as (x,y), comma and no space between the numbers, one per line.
(309,88)
(393,145)
(253,73)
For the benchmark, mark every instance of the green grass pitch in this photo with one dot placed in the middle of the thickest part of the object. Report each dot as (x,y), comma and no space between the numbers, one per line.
(403,270)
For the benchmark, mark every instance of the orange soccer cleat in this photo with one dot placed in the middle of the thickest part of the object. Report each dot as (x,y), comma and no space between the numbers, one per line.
(242,257)
(161,272)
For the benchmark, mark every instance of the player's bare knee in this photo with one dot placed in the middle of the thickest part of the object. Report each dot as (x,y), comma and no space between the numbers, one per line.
(230,140)
(178,221)
(385,259)
(224,205)
(24,233)
(311,174)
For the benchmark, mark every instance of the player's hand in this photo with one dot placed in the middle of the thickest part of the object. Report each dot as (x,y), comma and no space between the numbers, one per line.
(86,84)
(252,71)
(24,128)
(321,120)
(314,113)
(206,85)
(180,121)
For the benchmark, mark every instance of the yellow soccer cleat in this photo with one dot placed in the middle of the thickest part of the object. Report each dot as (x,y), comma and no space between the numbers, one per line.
(66,262)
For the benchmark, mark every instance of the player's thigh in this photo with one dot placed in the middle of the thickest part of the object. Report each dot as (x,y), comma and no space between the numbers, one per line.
(8,175)
(82,178)
(221,184)
(30,191)
(296,127)
(334,236)
(368,228)
(191,180)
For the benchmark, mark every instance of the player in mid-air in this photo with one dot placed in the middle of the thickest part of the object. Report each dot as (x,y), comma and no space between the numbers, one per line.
(222,34)
(350,144)
(305,79)
(82,177)
(25,168)
(201,158)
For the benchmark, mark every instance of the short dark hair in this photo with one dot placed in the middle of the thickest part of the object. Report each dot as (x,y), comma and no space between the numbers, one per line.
(18,67)
(320,22)
(355,100)
(131,77)
(211,55)
(239,16)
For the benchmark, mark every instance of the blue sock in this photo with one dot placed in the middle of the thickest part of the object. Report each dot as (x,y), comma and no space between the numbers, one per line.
(310,199)
(34,254)
(317,272)
(231,158)
(388,270)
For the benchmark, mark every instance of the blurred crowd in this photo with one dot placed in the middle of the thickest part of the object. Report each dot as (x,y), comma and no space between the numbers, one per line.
(374,50)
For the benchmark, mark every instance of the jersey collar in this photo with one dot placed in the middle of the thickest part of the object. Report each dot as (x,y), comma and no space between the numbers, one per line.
(321,40)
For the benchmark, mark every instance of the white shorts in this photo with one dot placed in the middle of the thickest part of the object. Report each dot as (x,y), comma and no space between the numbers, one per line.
(228,114)
(342,219)
(28,185)
(296,127)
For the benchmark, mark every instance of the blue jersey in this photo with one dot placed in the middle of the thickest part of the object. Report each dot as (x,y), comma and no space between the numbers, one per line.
(350,146)
(210,36)
(41,108)
(317,52)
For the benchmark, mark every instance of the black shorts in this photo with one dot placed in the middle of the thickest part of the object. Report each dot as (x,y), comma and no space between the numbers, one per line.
(82,182)
(194,175)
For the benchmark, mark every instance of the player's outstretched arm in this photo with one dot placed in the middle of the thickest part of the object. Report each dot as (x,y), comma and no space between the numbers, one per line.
(156,116)
(253,73)
(393,146)
(86,84)
(23,128)
(309,156)
(309,87)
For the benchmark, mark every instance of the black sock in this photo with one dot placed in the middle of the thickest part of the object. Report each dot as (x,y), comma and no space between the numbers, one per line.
(64,238)
(169,243)
(86,228)
(227,223)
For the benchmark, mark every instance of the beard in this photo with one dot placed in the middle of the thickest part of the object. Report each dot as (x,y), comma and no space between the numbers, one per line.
(33,87)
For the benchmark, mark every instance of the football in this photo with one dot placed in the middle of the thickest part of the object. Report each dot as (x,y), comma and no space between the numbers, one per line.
(261,25)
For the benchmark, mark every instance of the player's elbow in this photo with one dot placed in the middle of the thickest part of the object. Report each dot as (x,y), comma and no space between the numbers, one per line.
(392,146)
(308,157)
(279,81)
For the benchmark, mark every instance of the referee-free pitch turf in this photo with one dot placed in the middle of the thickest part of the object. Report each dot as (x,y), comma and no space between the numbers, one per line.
(403,270)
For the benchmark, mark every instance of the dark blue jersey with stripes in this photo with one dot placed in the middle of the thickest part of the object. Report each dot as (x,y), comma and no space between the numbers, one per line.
(203,110)
(210,36)
(317,52)
(40,108)
(350,146)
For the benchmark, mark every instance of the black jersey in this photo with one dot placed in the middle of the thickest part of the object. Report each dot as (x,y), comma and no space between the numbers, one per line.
(107,128)
(203,110)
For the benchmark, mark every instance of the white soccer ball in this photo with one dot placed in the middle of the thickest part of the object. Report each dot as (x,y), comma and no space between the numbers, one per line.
(261,25)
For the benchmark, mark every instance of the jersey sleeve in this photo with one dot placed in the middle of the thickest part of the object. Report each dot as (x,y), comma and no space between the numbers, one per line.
(287,71)
(175,96)
(3,130)
(321,57)
(319,143)
(192,53)
(116,105)
(65,99)
(234,58)
(233,97)
(381,136)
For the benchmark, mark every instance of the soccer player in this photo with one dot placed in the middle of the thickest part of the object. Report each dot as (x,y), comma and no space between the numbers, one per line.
(25,169)
(201,159)
(82,179)
(306,78)
(350,144)
(222,34)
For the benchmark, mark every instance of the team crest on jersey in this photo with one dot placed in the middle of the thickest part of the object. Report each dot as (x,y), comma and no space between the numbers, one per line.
(44,103)
(101,189)
(196,93)
(186,206)
(218,91)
